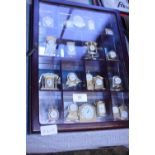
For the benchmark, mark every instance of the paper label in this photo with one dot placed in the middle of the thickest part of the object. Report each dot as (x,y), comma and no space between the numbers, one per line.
(79,97)
(48,130)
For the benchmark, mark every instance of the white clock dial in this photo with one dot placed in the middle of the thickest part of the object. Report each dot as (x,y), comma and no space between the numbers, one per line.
(117,80)
(49,82)
(112,54)
(92,47)
(73,107)
(99,82)
(87,112)
(53,114)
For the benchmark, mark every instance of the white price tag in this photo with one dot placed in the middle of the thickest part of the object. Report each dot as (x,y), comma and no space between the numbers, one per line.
(79,97)
(48,130)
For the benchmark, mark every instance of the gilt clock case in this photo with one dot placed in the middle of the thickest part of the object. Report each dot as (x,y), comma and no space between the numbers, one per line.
(69,41)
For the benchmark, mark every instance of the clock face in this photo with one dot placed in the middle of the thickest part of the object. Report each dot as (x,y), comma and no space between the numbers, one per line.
(99,82)
(73,107)
(72,76)
(117,80)
(49,82)
(112,54)
(92,47)
(87,112)
(53,114)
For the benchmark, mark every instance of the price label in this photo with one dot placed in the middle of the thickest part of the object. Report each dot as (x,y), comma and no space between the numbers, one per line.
(48,130)
(79,97)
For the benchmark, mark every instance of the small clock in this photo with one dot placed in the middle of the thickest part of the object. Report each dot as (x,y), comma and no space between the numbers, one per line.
(112,55)
(50,49)
(72,112)
(116,83)
(123,112)
(72,80)
(91,50)
(116,112)
(101,108)
(99,82)
(90,81)
(78,21)
(53,114)
(49,81)
(87,113)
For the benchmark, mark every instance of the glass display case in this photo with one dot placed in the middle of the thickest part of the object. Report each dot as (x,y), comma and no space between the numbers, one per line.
(79,68)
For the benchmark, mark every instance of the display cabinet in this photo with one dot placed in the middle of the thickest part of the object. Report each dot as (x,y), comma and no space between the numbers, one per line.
(78,75)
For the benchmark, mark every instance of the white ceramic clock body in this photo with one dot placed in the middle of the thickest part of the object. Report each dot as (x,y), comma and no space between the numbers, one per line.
(53,114)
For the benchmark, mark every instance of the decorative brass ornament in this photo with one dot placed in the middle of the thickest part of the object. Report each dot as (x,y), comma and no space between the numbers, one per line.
(90,81)
(91,50)
(49,81)
(72,114)
(99,82)
(87,113)
(72,80)
(116,83)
